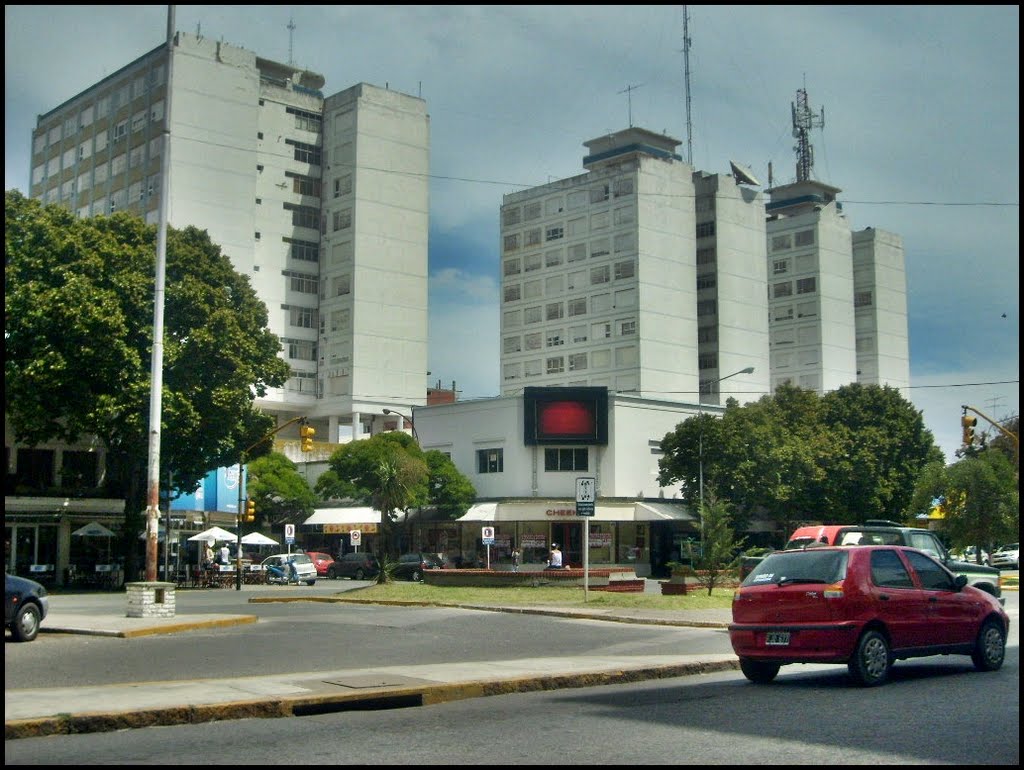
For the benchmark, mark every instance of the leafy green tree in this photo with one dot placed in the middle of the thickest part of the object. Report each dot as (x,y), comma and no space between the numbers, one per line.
(979,498)
(719,556)
(386,471)
(78,342)
(880,448)
(450,493)
(281,493)
(848,456)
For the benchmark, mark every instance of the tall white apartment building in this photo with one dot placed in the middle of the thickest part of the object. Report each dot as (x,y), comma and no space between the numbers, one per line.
(323,202)
(601,282)
(880,309)
(838,300)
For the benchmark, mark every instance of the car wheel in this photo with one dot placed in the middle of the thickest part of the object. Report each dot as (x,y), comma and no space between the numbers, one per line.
(416,576)
(310,582)
(990,646)
(331,574)
(359,575)
(758,671)
(872,659)
(25,627)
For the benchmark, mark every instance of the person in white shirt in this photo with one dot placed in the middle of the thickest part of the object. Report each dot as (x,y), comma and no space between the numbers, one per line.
(555,558)
(225,554)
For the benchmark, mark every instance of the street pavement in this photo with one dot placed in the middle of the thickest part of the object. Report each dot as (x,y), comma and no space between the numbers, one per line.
(101,708)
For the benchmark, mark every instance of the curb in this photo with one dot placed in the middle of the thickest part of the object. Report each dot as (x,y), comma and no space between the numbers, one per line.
(308,705)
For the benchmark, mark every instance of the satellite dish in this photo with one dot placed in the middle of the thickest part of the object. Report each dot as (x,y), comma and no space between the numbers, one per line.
(742,174)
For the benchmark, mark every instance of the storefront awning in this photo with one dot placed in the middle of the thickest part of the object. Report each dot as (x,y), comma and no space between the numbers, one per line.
(356,515)
(562,510)
(662,512)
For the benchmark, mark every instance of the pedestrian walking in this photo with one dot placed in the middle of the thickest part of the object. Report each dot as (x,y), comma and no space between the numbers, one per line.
(515,559)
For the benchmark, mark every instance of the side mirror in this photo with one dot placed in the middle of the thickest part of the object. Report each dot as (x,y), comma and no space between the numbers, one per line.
(960,581)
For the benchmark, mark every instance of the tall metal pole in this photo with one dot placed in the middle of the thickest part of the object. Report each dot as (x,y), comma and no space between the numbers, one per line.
(700,447)
(156,377)
(238,524)
(686,77)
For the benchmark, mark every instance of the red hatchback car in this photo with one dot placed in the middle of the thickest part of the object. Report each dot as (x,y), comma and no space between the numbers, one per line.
(865,606)
(321,561)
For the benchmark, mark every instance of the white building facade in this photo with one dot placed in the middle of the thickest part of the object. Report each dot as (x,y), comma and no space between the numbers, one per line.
(323,202)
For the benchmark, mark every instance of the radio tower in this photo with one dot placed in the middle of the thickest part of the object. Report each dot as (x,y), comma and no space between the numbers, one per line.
(803,121)
(291,30)
(686,79)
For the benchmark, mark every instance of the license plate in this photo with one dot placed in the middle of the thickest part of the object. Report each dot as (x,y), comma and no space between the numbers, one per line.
(777,638)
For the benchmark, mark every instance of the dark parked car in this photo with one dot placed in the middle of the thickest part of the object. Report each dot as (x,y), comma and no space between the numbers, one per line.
(865,606)
(411,566)
(25,606)
(356,565)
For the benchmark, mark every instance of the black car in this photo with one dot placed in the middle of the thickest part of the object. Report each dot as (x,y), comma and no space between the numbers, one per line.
(410,566)
(25,606)
(358,566)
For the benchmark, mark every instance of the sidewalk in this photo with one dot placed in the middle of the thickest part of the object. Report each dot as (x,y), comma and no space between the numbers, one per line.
(62,710)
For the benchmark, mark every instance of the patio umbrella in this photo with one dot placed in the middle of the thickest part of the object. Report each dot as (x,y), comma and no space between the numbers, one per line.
(214,534)
(93,529)
(258,538)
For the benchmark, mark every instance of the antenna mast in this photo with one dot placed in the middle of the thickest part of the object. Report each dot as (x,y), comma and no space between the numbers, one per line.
(628,91)
(291,30)
(803,121)
(686,78)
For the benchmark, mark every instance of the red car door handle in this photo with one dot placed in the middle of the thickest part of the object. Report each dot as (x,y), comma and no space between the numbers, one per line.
(883,597)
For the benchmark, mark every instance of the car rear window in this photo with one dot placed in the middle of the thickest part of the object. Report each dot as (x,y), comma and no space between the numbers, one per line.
(825,566)
(301,558)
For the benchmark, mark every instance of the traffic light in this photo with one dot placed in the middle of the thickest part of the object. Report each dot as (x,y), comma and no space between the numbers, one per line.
(968,424)
(250,510)
(306,432)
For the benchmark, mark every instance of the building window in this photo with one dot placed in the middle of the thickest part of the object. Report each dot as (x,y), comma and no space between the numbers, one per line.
(566,459)
(532,315)
(600,248)
(307,121)
(513,293)
(533,289)
(805,238)
(599,194)
(302,282)
(531,211)
(490,460)
(304,216)
(512,267)
(577,252)
(577,306)
(555,365)
(780,266)
(599,275)
(533,341)
(531,238)
(862,299)
(627,328)
(707,307)
(301,350)
(303,317)
(706,256)
(577,362)
(705,229)
(512,242)
(553,258)
(784,289)
(512,344)
(707,334)
(706,281)
(578,334)
(707,361)
(342,219)
(511,216)
(304,250)
(782,242)
(305,153)
(554,311)
(304,185)
(120,131)
(601,330)
(555,338)
(806,285)
(553,233)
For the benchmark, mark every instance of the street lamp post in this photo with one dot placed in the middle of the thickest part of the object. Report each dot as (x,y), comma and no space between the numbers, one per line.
(407,419)
(700,447)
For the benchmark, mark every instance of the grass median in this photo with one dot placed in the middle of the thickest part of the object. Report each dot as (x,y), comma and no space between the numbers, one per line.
(541,596)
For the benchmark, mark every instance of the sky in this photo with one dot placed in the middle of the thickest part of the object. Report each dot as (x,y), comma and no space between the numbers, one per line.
(921,133)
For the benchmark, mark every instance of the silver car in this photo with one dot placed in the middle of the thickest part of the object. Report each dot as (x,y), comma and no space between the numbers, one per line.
(1007,556)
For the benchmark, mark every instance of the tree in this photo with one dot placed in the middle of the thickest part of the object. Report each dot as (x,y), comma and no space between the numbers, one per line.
(978,496)
(386,471)
(78,343)
(281,493)
(719,555)
(851,455)
(450,493)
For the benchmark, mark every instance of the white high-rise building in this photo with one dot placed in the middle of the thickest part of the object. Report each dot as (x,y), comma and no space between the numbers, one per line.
(619,278)
(323,202)
(880,309)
